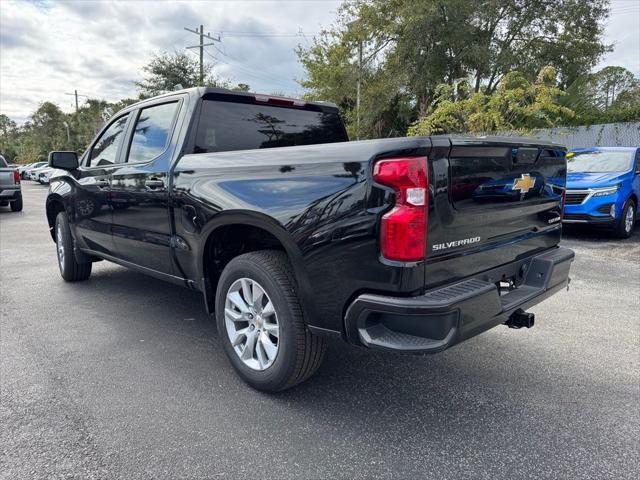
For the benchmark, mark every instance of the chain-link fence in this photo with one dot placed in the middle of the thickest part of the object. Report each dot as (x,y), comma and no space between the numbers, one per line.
(603,135)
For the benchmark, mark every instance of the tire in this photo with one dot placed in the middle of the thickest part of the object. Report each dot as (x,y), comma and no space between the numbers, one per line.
(70,269)
(16,205)
(298,352)
(624,225)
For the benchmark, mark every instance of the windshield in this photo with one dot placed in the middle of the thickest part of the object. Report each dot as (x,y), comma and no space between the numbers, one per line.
(599,162)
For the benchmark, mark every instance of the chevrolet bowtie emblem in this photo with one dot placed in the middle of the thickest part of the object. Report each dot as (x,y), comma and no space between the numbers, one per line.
(524,183)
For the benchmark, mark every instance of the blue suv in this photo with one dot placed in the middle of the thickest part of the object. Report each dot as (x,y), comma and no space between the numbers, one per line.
(603,188)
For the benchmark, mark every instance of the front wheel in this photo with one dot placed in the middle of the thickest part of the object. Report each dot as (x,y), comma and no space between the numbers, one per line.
(261,322)
(625,223)
(70,269)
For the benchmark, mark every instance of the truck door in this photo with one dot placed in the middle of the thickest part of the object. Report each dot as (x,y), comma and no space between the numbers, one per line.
(92,216)
(140,191)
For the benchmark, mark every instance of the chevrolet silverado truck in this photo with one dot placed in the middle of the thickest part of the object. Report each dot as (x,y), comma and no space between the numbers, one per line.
(294,234)
(10,191)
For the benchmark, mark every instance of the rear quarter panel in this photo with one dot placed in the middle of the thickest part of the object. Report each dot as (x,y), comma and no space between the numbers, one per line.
(315,199)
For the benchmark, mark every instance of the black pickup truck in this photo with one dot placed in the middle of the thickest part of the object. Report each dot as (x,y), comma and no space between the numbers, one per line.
(293,233)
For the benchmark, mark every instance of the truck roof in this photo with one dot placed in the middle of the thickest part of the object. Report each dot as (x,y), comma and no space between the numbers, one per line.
(202,91)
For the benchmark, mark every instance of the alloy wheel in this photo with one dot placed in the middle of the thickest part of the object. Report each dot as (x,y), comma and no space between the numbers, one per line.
(629,218)
(60,246)
(252,324)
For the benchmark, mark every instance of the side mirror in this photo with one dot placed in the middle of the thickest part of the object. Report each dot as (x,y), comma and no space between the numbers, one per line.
(63,160)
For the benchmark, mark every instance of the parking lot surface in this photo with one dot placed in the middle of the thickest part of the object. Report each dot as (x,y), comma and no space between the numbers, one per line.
(122,376)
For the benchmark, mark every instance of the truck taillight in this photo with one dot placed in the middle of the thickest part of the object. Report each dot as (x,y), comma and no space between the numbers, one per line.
(16,177)
(562,203)
(403,233)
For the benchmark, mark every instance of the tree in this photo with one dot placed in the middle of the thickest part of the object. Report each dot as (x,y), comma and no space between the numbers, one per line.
(7,132)
(166,71)
(516,104)
(412,46)
(609,83)
(609,95)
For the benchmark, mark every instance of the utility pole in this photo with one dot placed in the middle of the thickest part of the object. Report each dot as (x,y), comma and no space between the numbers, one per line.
(75,94)
(358,90)
(201,45)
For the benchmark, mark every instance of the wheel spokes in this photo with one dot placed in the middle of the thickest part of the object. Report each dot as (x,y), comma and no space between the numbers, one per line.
(240,335)
(238,301)
(269,347)
(271,328)
(256,300)
(252,324)
(249,346)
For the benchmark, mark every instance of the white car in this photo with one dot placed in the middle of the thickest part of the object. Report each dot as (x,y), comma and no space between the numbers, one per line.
(44,175)
(26,172)
(35,172)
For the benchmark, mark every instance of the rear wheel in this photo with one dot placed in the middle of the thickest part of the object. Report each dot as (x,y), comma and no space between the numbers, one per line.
(261,322)
(625,223)
(70,269)
(16,205)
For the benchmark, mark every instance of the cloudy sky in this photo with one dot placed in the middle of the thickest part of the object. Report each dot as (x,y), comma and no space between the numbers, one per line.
(48,48)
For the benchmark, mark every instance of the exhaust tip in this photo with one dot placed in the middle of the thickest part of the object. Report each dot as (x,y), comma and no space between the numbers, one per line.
(520,318)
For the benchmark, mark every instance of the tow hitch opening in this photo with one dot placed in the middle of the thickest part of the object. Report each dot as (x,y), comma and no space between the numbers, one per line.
(520,318)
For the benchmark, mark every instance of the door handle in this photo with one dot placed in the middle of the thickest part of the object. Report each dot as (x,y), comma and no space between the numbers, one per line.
(153,184)
(102,183)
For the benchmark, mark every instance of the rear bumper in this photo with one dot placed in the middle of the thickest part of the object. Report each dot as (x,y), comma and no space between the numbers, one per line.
(12,193)
(446,316)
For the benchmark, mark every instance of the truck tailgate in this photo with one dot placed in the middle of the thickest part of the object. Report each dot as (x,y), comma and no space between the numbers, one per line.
(493,201)
(6,177)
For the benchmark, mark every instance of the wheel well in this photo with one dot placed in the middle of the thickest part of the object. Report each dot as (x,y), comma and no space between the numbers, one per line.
(54,207)
(634,198)
(229,241)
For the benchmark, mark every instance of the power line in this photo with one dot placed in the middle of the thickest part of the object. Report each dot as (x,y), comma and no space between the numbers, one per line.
(238,63)
(250,72)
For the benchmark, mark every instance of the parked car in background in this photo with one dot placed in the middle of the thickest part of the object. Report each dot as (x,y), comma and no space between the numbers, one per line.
(44,175)
(603,188)
(26,173)
(22,170)
(34,173)
(10,191)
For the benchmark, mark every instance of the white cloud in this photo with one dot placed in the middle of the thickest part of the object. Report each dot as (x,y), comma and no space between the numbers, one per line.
(623,31)
(50,48)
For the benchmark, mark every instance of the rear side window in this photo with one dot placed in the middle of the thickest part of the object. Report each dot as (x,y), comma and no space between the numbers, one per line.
(105,150)
(152,131)
(3,162)
(226,126)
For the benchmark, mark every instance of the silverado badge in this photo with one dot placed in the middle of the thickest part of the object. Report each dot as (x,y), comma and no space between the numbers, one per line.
(524,183)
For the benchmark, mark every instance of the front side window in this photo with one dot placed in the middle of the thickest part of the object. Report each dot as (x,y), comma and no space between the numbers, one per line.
(599,161)
(152,131)
(106,148)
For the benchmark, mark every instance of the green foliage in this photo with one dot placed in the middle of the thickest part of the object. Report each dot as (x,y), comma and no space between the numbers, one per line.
(410,47)
(516,104)
(166,71)
(170,71)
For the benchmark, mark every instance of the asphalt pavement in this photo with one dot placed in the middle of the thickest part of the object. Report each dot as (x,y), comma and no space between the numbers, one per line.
(123,377)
